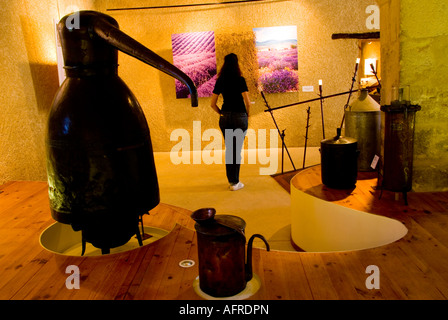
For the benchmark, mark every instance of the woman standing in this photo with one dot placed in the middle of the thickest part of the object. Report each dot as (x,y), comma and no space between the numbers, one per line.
(234,115)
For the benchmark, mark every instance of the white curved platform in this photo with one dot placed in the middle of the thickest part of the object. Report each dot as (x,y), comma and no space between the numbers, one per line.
(322,226)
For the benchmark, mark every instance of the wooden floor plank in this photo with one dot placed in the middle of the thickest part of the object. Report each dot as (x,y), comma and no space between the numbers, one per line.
(134,262)
(274,279)
(431,252)
(414,267)
(135,279)
(318,278)
(389,289)
(296,277)
(189,275)
(13,282)
(155,269)
(341,276)
(16,204)
(171,281)
(115,277)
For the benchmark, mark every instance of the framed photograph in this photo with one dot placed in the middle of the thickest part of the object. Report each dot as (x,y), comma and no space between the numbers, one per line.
(194,54)
(277,59)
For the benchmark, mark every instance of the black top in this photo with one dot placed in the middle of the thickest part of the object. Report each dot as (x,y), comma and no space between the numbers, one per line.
(231,91)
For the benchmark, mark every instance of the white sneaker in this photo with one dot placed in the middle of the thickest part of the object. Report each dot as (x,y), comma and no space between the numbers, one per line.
(237,186)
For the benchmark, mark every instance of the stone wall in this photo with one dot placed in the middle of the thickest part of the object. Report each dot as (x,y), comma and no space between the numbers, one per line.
(414,42)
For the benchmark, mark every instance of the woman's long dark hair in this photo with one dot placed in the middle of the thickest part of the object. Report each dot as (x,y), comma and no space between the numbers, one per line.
(230,68)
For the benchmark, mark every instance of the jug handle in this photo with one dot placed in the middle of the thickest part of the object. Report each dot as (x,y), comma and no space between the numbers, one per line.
(249,272)
(128,45)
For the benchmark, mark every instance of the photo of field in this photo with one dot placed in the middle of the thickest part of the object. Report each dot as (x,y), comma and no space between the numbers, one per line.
(277,59)
(194,54)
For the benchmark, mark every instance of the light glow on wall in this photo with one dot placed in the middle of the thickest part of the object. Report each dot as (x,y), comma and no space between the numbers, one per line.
(367,68)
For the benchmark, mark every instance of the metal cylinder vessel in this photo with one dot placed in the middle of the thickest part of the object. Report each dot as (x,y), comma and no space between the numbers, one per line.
(221,254)
(363,123)
(339,162)
(224,269)
(398,146)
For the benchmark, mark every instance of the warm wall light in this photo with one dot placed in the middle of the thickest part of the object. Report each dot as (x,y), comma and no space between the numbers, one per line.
(60,60)
(367,68)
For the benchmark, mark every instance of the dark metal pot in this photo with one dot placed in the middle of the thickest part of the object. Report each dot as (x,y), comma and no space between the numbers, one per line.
(223,270)
(339,162)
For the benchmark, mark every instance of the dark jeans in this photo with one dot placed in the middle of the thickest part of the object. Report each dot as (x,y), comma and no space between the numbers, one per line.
(233,127)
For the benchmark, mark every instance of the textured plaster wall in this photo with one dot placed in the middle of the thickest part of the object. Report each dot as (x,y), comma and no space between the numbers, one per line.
(22,101)
(320,57)
(28,71)
(29,80)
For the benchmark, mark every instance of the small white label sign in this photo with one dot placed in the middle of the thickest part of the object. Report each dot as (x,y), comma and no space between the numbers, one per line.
(307,88)
(374,162)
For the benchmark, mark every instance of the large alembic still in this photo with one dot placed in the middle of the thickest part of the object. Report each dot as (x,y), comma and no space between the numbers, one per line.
(100,163)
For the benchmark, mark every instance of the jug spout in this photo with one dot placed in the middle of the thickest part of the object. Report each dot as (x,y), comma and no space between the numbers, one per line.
(249,272)
(115,37)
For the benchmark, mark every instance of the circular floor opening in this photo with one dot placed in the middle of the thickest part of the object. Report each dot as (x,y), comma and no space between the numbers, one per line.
(252,288)
(60,238)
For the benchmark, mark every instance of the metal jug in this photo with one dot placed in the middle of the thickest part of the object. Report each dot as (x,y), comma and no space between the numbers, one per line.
(223,268)
(100,163)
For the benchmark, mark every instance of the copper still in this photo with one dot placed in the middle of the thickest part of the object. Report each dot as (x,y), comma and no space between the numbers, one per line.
(100,163)
(223,268)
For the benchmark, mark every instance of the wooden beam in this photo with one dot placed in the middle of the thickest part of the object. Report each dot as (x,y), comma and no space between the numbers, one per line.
(186,5)
(366,35)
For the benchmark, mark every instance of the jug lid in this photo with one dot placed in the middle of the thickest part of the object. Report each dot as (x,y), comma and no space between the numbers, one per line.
(208,223)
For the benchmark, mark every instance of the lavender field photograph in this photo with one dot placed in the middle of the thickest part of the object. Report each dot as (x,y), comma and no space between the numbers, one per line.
(194,54)
(277,59)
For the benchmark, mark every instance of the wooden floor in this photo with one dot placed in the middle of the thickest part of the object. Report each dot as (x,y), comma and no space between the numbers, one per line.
(415,267)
